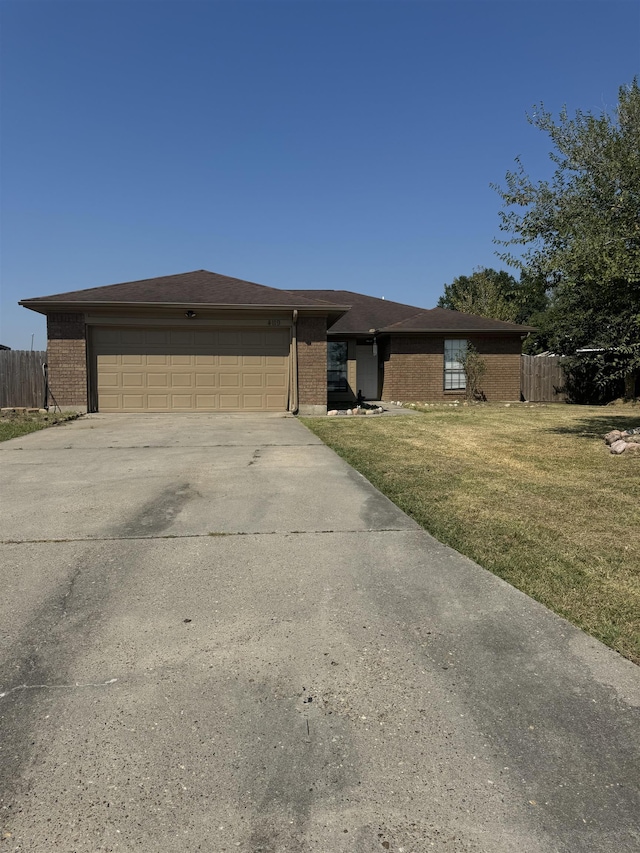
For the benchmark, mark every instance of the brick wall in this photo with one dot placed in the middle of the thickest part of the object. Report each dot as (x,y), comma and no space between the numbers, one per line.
(414,368)
(312,364)
(67,359)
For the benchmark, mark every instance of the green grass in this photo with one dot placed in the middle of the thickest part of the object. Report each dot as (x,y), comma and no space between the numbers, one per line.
(13,425)
(530,493)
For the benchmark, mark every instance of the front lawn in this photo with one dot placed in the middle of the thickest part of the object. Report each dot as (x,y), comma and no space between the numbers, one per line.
(15,424)
(530,493)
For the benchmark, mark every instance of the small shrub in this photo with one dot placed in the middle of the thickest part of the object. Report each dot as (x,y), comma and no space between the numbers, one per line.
(475,368)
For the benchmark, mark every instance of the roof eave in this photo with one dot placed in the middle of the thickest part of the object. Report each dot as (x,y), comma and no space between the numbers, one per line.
(444,331)
(46,306)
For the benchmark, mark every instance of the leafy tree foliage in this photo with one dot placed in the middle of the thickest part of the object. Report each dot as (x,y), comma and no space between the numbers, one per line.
(580,233)
(496,294)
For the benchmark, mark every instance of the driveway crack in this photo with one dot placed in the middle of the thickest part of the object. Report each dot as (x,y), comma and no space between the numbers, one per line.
(209,534)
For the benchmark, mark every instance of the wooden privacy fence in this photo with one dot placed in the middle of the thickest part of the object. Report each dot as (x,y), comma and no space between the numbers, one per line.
(21,378)
(542,379)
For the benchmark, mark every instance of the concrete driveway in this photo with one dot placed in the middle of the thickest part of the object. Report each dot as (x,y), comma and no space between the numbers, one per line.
(216,636)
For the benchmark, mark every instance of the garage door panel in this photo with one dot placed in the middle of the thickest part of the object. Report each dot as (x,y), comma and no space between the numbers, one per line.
(252,380)
(132,380)
(109,380)
(276,402)
(191,370)
(134,402)
(159,402)
(229,380)
(206,402)
(109,402)
(157,380)
(230,402)
(275,380)
(182,401)
(181,380)
(206,380)
(251,401)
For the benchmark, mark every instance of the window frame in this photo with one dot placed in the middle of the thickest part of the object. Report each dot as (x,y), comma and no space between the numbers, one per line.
(454,377)
(337,384)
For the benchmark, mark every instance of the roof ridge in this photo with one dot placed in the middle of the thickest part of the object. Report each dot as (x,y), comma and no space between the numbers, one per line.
(387,302)
(410,317)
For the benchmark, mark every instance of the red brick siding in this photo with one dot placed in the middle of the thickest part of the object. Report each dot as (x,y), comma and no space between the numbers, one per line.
(67,359)
(414,367)
(312,361)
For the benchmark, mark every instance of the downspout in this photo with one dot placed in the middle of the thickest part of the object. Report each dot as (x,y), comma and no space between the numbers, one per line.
(293,406)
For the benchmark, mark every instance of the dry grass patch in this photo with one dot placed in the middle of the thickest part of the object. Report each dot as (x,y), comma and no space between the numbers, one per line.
(532,494)
(14,424)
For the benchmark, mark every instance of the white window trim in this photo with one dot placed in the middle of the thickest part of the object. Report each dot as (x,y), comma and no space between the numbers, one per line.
(454,378)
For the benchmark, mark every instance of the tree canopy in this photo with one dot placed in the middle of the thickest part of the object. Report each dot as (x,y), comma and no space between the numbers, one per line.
(497,294)
(580,234)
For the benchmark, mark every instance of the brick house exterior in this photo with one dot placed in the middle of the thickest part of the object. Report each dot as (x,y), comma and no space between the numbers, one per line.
(67,358)
(312,364)
(201,341)
(414,366)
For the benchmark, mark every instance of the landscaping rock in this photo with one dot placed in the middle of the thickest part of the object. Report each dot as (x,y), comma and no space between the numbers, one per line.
(619,446)
(623,441)
(332,413)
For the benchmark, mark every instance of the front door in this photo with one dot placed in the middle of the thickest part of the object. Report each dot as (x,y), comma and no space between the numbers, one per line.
(367,371)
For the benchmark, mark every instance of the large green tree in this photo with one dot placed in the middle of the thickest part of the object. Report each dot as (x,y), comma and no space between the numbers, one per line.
(497,294)
(580,232)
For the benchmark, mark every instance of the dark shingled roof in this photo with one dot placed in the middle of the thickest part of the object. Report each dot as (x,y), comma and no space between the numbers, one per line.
(202,287)
(192,288)
(383,315)
(442,319)
(365,313)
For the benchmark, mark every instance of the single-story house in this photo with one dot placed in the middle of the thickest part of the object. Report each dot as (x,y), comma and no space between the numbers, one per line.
(204,342)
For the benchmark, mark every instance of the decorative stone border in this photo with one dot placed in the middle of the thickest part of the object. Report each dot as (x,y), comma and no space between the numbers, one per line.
(623,441)
(357,410)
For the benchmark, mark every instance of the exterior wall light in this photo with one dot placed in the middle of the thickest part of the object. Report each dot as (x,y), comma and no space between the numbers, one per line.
(190,314)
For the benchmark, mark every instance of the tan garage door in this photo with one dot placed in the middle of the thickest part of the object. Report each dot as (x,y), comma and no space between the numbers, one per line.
(184,370)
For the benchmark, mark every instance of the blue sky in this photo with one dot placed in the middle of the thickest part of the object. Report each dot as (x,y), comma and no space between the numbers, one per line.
(300,144)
